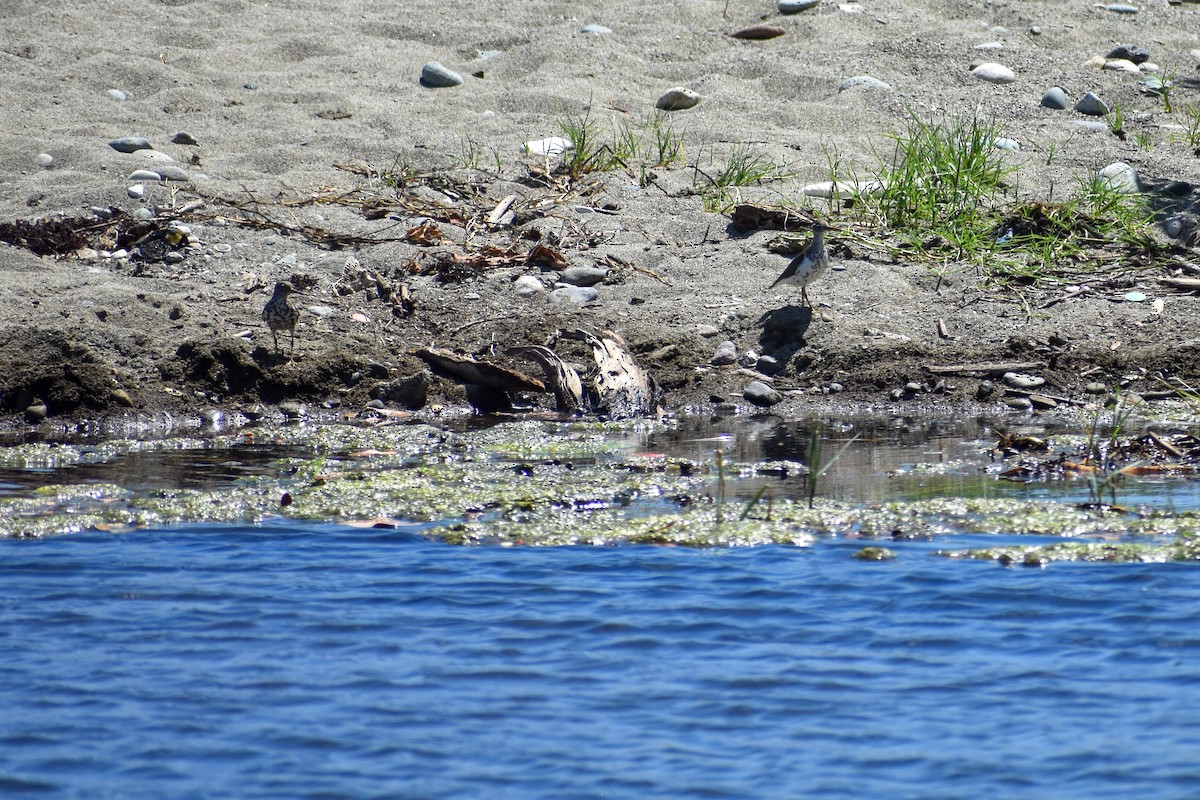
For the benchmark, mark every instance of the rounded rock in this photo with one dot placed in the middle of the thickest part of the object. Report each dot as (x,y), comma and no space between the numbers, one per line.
(994,73)
(1056,98)
(528,286)
(575,295)
(864,82)
(43,160)
(1020,380)
(136,192)
(796,6)
(726,354)
(144,175)
(1092,105)
(761,395)
(1121,8)
(583,276)
(596,30)
(436,76)
(1129,52)
(130,144)
(173,173)
(1119,177)
(182,137)
(677,98)
(36,412)
(1121,65)
(117,94)
(759,32)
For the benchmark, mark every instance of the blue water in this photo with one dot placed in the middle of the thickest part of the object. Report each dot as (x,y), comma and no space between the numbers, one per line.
(321,661)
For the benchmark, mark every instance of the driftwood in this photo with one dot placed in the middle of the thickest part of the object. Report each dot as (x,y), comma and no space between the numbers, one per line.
(561,378)
(488,386)
(984,369)
(621,389)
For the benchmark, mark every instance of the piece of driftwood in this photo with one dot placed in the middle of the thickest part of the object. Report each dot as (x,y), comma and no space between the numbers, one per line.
(561,378)
(984,369)
(621,388)
(488,386)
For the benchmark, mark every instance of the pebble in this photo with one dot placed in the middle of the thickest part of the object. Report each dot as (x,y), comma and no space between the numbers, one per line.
(1129,52)
(43,160)
(547,147)
(596,30)
(1001,143)
(173,173)
(677,98)
(136,192)
(986,389)
(759,32)
(760,394)
(1120,8)
(173,257)
(576,295)
(144,175)
(864,82)
(1020,380)
(36,412)
(1135,297)
(994,73)
(707,331)
(528,286)
(1121,65)
(1092,125)
(142,213)
(726,354)
(117,94)
(182,137)
(990,46)
(768,365)
(1056,98)
(796,6)
(1092,105)
(1119,176)
(222,247)
(1095,388)
(130,144)
(436,76)
(583,276)
(1019,403)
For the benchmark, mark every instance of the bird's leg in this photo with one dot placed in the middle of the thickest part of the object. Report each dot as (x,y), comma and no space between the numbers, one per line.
(275,336)
(804,297)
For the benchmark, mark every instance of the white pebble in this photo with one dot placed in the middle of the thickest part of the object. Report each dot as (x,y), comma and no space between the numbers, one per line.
(136,192)
(994,73)
(677,98)
(43,160)
(547,147)
(117,94)
(1119,176)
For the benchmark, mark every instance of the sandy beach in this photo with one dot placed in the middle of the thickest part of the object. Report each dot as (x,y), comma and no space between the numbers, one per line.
(315,145)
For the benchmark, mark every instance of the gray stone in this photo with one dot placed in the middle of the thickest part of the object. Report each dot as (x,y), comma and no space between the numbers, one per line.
(768,365)
(1092,105)
(144,175)
(1056,98)
(182,137)
(528,286)
(677,98)
(1019,380)
(762,395)
(1119,177)
(43,160)
(726,354)
(707,331)
(117,94)
(575,295)
(1095,388)
(583,276)
(864,82)
(796,6)
(1121,8)
(436,76)
(596,30)
(994,73)
(169,172)
(136,192)
(130,144)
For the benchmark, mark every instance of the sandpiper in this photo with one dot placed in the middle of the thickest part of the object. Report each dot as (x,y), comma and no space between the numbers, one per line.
(279,314)
(810,264)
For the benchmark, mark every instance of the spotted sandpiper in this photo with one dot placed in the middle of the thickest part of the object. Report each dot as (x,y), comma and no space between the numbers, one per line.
(810,264)
(279,314)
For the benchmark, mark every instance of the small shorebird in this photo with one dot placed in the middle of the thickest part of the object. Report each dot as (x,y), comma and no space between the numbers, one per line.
(279,314)
(810,264)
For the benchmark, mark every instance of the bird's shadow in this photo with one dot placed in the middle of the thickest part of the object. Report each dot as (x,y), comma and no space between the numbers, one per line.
(783,331)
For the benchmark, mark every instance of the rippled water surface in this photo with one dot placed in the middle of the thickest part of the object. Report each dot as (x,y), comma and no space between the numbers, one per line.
(298,659)
(323,661)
